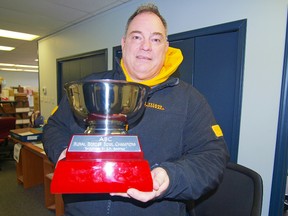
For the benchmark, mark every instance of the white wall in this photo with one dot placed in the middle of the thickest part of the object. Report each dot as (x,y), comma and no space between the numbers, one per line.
(21,78)
(266,27)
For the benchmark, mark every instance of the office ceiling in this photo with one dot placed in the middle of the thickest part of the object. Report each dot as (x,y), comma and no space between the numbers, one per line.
(43,17)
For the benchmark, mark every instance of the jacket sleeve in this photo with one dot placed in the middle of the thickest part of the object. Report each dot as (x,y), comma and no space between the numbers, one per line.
(204,157)
(59,130)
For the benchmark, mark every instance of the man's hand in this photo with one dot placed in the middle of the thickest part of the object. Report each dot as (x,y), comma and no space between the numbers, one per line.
(62,155)
(160,184)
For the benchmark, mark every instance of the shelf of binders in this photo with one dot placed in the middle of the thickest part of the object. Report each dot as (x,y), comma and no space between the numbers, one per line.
(22,110)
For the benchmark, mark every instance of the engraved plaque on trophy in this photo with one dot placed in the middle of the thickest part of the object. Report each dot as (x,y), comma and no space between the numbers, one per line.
(105,159)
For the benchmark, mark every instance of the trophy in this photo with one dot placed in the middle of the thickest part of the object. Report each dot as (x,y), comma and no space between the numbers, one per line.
(105,159)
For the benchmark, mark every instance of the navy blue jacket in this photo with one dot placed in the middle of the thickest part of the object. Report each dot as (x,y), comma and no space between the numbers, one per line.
(175,133)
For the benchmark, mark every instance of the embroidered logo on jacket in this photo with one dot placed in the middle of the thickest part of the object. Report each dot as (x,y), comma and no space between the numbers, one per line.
(154,106)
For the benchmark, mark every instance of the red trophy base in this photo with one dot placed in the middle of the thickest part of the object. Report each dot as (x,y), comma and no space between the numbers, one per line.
(104,170)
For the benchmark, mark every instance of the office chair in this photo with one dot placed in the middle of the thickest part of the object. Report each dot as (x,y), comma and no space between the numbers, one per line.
(6,124)
(239,194)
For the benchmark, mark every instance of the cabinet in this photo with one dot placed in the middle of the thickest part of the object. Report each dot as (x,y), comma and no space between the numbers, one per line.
(52,201)
(29,169)
(18,108)
(34,168)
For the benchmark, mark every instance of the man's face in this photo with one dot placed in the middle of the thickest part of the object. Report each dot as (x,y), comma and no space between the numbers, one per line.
(144,47)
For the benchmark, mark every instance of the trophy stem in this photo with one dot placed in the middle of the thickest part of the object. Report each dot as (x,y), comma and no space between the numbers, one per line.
(106,127)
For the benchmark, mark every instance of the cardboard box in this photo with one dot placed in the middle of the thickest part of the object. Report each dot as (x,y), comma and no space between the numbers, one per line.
(36,101)
(27,134)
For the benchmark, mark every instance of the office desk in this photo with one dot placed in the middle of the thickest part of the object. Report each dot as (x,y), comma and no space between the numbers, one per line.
(30,168)
(34,168)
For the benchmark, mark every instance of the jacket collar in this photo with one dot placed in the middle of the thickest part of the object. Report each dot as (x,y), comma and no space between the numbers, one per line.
(171,81)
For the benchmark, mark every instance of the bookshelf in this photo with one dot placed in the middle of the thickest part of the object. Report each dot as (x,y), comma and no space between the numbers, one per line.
(18,108)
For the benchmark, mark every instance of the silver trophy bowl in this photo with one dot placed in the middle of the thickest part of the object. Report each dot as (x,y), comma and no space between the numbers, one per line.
(107,106)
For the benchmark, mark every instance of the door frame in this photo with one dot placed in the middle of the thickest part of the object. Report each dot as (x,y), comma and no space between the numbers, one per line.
(281,157)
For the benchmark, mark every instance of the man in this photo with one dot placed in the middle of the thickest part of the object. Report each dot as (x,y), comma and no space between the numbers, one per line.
(179,136)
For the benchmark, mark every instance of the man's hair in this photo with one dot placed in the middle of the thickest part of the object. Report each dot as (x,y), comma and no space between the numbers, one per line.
(146,8)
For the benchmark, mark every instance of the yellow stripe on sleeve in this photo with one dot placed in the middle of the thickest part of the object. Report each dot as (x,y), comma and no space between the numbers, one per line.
(217,130)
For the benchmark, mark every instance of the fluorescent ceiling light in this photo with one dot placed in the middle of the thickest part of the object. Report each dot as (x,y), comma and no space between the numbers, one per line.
(17,35)
(6,48)
(18,65)
(18,70)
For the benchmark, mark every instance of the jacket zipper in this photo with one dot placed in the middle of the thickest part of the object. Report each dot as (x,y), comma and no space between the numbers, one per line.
(108,207)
